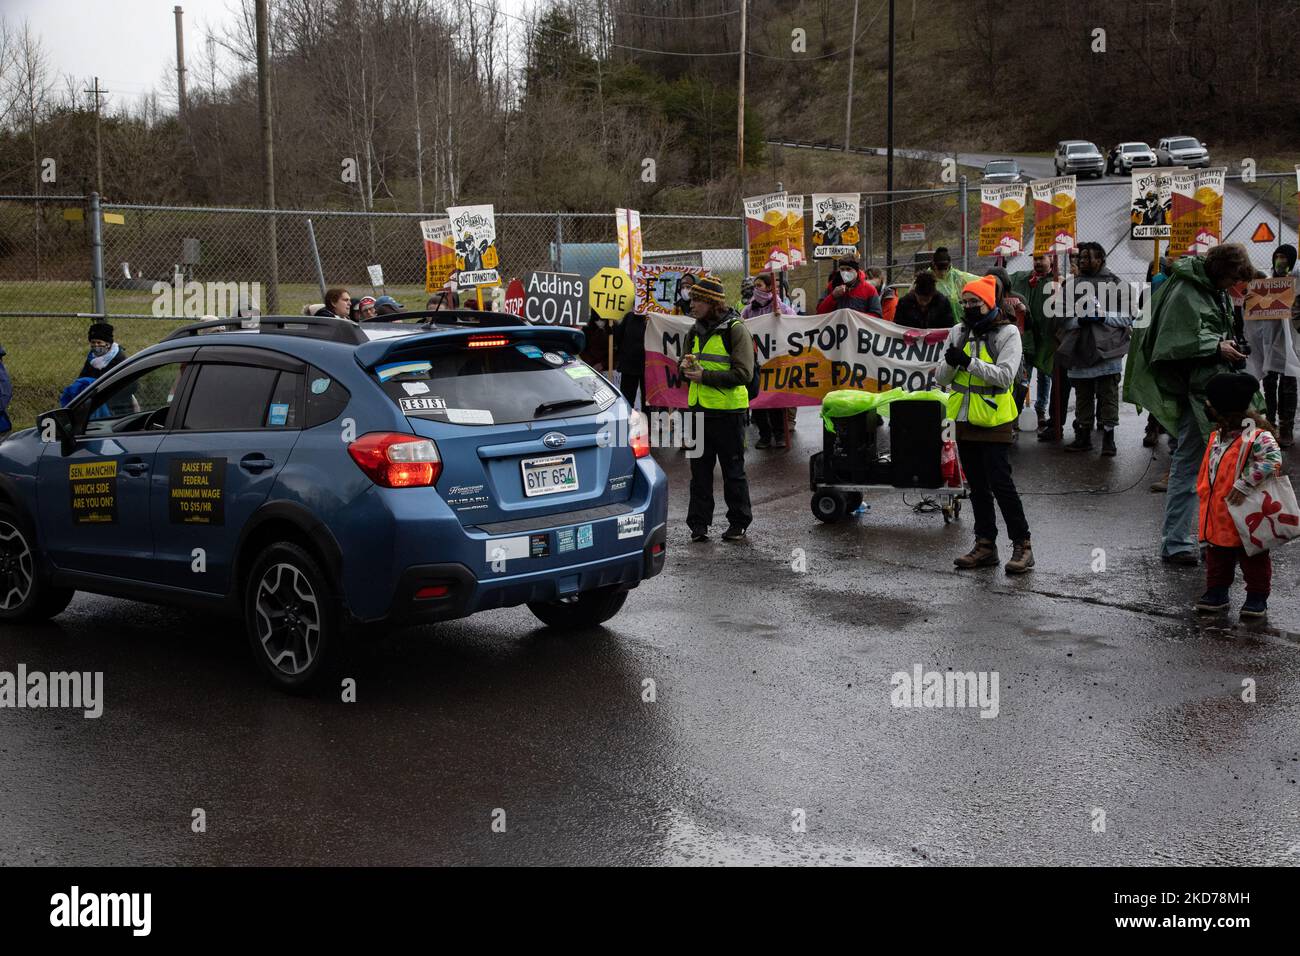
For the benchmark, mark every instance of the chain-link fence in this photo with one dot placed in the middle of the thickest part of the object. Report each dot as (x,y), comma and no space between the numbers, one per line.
(162,264)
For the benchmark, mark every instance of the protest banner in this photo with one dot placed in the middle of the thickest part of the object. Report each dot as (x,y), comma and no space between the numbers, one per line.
(1055,214)
(1269,298)
(628,223)
(555,298)
(1002,220)
(802,357)
(474,233)
(656,286)
(439,253)
(835,224)
(1150,202)
(794,225)
(768,234)
(1196,210)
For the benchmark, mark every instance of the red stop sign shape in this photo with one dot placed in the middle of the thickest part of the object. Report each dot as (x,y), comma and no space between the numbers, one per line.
(514,303)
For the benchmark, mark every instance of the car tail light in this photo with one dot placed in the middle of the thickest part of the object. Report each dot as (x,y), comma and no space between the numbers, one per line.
(488,341)
(432,591)
(397,460)
(638,434)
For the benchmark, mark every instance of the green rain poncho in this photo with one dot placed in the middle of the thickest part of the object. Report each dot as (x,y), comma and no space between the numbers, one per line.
(1040,332)
(1171,360)
(846,402)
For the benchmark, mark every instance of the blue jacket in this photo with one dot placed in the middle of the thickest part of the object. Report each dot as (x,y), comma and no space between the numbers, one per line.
(6,393)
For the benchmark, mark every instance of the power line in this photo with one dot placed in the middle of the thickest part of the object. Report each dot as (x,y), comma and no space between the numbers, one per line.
(638,49)
(655,16)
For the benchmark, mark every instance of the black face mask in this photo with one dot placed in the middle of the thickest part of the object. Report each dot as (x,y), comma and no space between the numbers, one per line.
(974,318)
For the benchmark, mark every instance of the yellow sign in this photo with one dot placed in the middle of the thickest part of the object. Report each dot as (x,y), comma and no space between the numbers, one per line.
(73,215)
(115,219)
(610,293)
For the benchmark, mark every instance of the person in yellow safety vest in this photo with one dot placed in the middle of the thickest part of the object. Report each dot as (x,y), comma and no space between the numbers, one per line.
(719,364)
(980,364)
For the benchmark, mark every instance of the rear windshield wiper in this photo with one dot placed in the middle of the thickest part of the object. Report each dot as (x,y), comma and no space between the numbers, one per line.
(545,407)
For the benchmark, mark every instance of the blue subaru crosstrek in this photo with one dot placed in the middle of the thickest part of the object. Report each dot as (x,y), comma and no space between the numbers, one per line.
(309,475)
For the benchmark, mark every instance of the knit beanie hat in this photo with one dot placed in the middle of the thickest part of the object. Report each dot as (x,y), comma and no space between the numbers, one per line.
(985,288)
(1231,393)
(709,288)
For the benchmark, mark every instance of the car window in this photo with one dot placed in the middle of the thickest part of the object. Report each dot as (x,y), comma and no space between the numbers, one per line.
(1081,148)
(486,386)
(326,398)
(1134,148)
(230,397)
(1000,167)
(129,405)
(1183,144)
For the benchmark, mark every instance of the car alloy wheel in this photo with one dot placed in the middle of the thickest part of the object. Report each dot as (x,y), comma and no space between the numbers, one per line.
(288,619)
(17,568)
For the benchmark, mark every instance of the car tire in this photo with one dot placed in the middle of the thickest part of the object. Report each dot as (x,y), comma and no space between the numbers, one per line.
(292,619)
(27,597)
(589,609)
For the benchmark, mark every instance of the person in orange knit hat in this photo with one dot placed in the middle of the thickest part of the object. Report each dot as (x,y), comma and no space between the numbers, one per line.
(980,365)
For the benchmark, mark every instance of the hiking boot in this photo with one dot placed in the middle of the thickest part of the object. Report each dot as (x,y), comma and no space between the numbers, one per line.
(1285,436)
(1045,431)
(734,533)
(1213,601)
(1183,559)
(1108,449)
(763,443)
(1162,485)
(1256,606)
(698,535)
(1082,440)
(1151,435)
(983,555)
(1022,557)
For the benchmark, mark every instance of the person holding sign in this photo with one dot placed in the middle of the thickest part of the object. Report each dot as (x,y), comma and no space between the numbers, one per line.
(981,362)
(719,364)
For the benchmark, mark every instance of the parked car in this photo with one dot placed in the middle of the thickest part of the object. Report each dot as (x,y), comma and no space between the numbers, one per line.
(1182,151)
(1078,157)
(1126,157)
(310,474)
(1003,171)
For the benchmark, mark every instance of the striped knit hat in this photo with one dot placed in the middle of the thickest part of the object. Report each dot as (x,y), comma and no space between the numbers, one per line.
(710,288)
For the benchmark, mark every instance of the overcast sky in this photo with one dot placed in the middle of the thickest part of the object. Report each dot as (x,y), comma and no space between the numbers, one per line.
(129,44)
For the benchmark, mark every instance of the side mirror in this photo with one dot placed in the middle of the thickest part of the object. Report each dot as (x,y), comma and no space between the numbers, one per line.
(56,426)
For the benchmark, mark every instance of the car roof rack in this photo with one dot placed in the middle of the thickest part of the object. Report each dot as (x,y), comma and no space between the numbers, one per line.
(455,318)
(329,328)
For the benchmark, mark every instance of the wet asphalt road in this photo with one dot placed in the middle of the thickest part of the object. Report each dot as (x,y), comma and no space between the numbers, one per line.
(772,694)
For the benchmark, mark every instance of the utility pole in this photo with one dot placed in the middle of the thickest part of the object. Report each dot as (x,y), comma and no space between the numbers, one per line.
(99,153)
(848,102)
(451,164)
(181,105)
(271,305)
(889,160)
(740,108)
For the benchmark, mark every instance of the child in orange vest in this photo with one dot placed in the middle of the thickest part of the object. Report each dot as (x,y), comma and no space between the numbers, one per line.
(1229,397)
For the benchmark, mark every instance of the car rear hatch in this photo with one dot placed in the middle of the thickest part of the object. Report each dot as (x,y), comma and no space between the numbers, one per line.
(524,428)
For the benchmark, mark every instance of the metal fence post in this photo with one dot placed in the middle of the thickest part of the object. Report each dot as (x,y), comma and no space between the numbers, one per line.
(96,256)
(271,301)
(315,254)
(871,229)
(558,264)
(965,225)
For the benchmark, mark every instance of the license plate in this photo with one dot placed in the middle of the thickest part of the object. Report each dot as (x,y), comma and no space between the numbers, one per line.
(549,476)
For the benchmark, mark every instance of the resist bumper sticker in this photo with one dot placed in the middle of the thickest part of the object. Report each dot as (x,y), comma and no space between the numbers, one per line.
(631,526)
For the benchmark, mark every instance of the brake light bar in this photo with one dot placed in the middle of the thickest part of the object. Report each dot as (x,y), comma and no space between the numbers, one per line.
(487,341)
